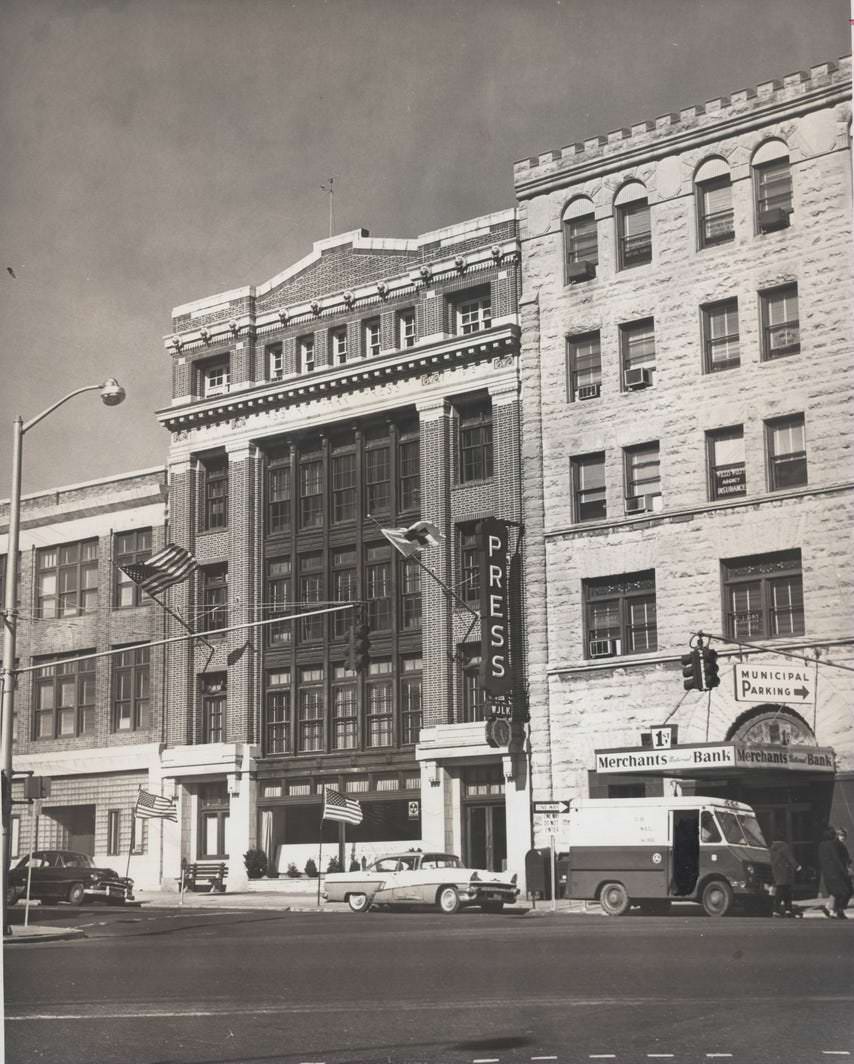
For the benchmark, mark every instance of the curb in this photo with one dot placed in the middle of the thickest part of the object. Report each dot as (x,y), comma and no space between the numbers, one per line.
(53,934)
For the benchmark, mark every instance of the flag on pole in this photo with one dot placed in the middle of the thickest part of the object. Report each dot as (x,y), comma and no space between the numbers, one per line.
(414,539)
(337,807)
(155,805)
(169,566)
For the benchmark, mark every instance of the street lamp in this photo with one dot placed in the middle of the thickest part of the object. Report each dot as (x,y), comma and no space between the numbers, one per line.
(112,394)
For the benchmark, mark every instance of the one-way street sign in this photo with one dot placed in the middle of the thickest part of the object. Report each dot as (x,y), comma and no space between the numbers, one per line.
(559,806)
(778,683)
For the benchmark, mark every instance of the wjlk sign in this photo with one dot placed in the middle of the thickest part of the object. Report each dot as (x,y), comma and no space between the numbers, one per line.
(494,615)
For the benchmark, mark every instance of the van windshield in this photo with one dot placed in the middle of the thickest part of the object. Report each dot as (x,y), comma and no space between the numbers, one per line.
(742,829)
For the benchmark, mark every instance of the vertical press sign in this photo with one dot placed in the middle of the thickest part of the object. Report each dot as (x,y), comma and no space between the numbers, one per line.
(494,615)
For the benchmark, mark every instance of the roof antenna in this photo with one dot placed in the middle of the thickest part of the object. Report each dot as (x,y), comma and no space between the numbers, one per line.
(330,188)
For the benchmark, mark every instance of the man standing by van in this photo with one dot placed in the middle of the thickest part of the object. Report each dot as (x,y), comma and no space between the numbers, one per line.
(783,869)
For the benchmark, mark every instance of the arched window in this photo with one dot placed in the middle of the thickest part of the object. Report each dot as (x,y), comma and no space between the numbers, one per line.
(634,226)
(772,185)
(713,189)
(581,247)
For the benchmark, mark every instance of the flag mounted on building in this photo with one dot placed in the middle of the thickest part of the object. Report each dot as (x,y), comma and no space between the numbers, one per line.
(169,566)
(414,539)
(155,805)
(337,807)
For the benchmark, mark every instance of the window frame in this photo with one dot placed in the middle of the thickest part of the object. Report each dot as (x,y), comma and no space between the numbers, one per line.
(767,571)
(773,460)
(82,676)
(124,554)
(476,435)
(577,465)
(133,666)
(83,598)
(338,346)
(472,311)
(474,700)
(575,353)
(625,590)
(406,328)
(213,705)
(713,313)
(278,495)
(409,475)
(714,436)
(314,725)
(213,597)
(768,299)
(371,338)
(279,576)
(625,211)
(469,562)
(581,242)
(702,188)
(635,332)
(344,489)
(274,353)
(410,681)
(306,351)
(632,481)
(114,832)
(310,473)
(213,376)
(215,492)
(765,204)
(379,713)
(278,712)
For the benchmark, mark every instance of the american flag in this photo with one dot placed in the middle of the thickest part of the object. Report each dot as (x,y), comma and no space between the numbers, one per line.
(337,807)
(155,805)
(414,539)
(169,566)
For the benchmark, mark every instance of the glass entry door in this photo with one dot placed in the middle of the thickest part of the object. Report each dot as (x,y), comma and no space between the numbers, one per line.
(486,837)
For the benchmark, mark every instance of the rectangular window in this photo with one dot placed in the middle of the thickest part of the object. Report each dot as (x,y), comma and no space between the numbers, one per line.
(584,366)
(410,701)
(213,378)
(371,337)
(311,594)
(469,563)
(15,837)
(643,480)
(338,346)
(343,488)
(310,737)
(344,589)
(213,598)
(473,695)
(581,245)
(274,356)
(727,471)
(720,335)
(345,710)
(378,587)
(409,472)
(213,691)
(787,452)
(781,330)
(215,494)
(128,549)
(131,690)
(476,442)
(305,354)
(279,601)
(634,234)
(377,480)
(406,328)
(311,493)
(410,595)
(637,346)
(114,832)
(588,487)
(64,695)
(279,494)
(67,579)
(764,596)
(380,709)
(474,313)
(277,707)
(619,615)
(714,210)
(773,183)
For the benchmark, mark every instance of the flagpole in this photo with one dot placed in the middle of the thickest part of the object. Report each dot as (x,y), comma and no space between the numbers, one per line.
(342,844)
(132,838)
(320,855)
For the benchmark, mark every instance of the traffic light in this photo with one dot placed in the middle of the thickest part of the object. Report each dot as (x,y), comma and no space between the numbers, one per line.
(710,669)
(692,675)
(360,647)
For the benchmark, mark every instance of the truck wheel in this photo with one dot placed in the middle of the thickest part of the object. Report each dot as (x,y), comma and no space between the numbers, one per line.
(717,898)
(358,903)
(76,894)
(614,899)
(448,900)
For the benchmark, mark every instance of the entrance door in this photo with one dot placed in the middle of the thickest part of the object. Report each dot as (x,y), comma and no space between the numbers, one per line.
(793,823)
(486,837)
(78,827)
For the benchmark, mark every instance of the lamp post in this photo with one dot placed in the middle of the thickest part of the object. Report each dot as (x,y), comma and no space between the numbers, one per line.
(112,394)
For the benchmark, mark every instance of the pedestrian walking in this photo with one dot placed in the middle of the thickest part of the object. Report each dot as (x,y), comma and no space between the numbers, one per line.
(834,861)
(783,869)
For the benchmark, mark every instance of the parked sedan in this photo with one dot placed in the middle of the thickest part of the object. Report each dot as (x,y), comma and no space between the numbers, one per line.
(64,875)
(415,878)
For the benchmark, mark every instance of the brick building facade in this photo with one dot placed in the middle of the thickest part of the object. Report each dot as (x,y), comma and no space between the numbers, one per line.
(686,380)
(372,383)
(92,724)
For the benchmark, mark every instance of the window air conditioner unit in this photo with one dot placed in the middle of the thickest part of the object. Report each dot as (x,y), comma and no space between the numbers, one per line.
(588,391)
(636,504)
(583,270)
(776,218)
(636,378)
(604,648)
(654,503)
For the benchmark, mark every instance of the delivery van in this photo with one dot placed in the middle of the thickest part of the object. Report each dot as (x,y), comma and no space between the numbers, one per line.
(651,851)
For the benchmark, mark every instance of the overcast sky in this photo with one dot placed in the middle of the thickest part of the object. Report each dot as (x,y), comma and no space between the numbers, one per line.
(158,151)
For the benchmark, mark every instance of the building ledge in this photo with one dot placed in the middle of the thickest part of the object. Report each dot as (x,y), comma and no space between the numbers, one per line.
(206,758)
(454,741)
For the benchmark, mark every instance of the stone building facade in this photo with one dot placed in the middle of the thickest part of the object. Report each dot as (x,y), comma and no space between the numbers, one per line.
(88,713)
(371,384)
(686,380)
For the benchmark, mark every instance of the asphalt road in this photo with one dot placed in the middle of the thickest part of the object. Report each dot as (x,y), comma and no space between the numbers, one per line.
(264,986)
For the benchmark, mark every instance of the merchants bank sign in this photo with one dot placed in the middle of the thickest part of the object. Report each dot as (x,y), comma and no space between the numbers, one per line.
(714,757)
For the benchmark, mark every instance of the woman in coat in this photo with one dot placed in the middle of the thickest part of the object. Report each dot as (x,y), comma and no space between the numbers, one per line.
(783,868)
(834,872)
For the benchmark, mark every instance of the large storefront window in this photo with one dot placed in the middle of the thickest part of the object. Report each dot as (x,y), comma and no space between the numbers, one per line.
(213,818)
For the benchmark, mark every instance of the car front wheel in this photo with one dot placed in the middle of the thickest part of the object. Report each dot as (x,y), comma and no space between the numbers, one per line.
(76,894)
(717,898)
(358,903)
(449,900)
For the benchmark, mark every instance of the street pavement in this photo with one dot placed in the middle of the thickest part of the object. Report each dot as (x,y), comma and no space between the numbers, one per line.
(222,981)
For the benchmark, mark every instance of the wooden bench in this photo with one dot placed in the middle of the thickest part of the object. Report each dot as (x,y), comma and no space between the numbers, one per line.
(205,874)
